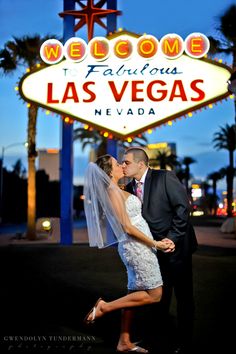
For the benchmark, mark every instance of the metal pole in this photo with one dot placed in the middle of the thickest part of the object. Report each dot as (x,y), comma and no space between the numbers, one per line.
(111,18)
(111,27)
(66,161)
(111,144)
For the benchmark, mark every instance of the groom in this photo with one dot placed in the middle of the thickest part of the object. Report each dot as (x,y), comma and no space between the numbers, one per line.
(165,207)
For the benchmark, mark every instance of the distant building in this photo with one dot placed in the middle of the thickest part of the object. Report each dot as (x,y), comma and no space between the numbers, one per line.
(49,160)
(154,149)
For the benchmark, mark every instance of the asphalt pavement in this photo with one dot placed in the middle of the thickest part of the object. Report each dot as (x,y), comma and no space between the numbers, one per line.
(47,289)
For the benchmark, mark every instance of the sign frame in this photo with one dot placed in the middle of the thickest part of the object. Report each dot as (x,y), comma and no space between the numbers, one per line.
(134,132)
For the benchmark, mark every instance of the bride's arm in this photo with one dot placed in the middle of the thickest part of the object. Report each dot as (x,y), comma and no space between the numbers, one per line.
(118,204)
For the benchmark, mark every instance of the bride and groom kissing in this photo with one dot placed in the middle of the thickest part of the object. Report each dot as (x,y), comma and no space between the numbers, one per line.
(150,221)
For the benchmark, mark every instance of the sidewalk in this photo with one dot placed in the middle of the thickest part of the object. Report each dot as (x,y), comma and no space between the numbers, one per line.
(212,236)
(206,235)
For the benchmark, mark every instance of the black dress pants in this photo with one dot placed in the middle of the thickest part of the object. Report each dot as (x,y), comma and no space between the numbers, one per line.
(177,278)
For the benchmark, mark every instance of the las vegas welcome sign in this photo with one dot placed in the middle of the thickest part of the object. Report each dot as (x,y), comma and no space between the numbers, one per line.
(125,83)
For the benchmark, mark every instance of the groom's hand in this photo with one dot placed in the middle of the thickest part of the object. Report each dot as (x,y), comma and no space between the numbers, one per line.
(170,244)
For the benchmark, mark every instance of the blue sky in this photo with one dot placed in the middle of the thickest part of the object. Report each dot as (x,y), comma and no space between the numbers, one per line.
(193,136)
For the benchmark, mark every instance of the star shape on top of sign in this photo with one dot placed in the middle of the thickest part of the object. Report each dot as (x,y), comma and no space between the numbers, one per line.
(125,83)
(89,15)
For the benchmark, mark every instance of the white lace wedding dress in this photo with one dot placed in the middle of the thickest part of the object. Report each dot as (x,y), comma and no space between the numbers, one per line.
(140,260)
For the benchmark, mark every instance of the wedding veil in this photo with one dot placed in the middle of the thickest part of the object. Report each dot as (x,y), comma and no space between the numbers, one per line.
(100,214)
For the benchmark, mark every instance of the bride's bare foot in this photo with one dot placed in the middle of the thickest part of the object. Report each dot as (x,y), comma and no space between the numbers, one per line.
(125,346)
(96,312)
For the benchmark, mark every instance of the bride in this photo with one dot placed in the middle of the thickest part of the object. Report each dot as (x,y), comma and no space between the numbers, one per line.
(106,204)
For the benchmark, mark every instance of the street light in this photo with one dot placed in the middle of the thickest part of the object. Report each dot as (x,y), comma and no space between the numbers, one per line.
(4,148)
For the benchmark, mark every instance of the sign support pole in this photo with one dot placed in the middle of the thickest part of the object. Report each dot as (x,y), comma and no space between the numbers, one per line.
(111,143)
(111,27)
(66,158)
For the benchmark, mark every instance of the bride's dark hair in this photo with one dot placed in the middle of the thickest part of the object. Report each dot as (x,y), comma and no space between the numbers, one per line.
(105,163)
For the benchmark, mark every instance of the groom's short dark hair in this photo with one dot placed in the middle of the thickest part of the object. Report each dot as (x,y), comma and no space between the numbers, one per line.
(139,154)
